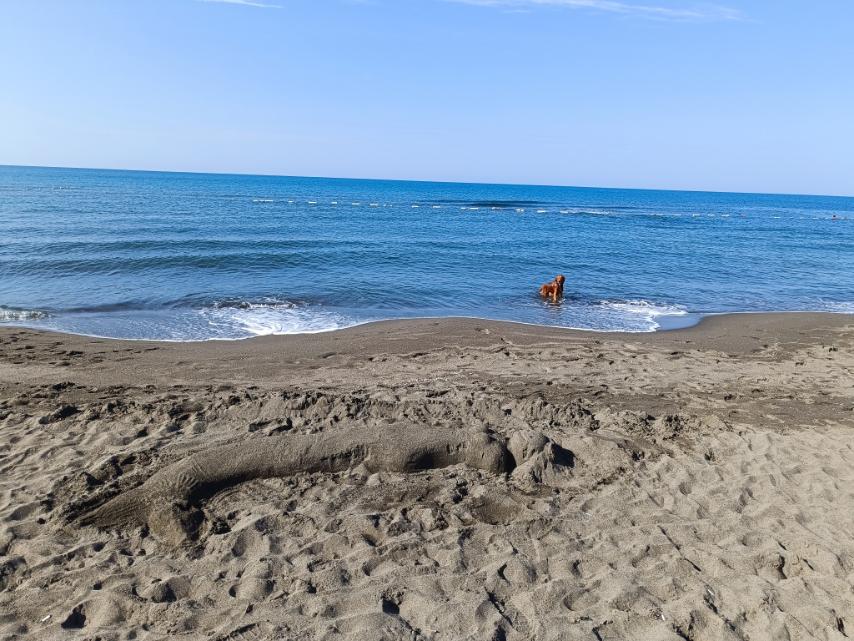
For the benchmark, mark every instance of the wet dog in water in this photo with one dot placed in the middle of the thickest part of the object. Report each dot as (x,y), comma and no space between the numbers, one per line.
(554,289)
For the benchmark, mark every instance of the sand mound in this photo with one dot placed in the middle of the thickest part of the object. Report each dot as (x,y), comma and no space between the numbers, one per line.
(165,501)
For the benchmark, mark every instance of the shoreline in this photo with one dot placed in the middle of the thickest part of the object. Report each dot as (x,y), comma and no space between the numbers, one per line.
(701,319)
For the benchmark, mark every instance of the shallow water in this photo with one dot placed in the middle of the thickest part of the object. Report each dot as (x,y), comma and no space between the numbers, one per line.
(199,256)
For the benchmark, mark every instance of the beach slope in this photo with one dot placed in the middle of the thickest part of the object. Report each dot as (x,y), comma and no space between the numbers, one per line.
(432,479)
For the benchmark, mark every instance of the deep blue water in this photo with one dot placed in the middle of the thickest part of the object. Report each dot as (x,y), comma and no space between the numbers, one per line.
(197,256)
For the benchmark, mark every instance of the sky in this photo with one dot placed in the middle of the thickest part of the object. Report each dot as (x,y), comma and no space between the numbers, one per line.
(743,95)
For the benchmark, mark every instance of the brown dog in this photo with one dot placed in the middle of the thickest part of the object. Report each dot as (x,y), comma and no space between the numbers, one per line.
(554,289)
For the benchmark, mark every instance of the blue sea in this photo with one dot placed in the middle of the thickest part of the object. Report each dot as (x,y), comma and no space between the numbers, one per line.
(174,256)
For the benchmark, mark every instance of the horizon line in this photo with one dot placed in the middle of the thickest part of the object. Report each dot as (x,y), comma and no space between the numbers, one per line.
(417,180)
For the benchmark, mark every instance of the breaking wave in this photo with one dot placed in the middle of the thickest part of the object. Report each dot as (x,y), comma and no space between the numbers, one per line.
(12,315)
(646,308)
(239,319)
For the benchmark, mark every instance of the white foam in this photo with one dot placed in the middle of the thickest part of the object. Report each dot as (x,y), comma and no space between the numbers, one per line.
(638,315)
(271,319)
(589,211)
(840,307)
(646,308)
(18,315)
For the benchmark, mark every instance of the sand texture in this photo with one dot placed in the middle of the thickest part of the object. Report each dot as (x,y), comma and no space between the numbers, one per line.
(432,479)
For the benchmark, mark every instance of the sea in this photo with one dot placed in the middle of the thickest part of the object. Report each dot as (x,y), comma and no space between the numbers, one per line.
(187,257)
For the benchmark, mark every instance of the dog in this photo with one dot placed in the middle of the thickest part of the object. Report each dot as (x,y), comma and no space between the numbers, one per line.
(554,289)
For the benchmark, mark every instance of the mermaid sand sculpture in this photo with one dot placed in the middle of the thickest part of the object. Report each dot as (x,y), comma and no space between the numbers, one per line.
(167,502)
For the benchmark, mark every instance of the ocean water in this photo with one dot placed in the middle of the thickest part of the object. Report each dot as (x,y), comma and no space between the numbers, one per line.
(197,256)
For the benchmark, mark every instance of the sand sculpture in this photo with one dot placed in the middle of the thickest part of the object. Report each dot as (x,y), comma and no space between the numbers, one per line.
(168,501)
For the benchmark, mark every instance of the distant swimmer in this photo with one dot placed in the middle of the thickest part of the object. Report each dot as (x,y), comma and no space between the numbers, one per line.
(554,289)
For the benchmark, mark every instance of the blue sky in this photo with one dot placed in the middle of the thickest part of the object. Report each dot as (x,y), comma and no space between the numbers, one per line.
(744,95)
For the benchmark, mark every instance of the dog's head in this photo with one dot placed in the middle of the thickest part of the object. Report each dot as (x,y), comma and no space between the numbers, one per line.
(559,279)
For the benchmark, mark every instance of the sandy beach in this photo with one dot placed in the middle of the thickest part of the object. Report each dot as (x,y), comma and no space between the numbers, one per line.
(432,479)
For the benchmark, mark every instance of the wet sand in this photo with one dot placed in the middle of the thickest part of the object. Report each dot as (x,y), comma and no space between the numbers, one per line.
(693,484)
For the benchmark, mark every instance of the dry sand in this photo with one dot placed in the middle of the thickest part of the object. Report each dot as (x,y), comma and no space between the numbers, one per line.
(432,479)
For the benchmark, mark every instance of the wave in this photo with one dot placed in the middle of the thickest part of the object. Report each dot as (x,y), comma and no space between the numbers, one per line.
(114,249)
(274,302)
(637,314)
(586,211)
(13,315)
(239,319)
(645,307)
(244,261)
(842,307)
(180,321)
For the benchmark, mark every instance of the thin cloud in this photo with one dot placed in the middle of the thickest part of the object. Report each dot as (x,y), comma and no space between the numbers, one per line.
(686,13)
(246,3)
